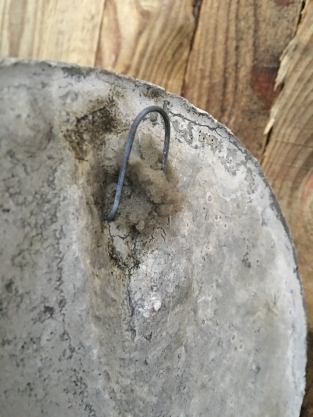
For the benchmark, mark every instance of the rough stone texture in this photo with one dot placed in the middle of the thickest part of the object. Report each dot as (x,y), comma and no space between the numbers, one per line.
(197,314)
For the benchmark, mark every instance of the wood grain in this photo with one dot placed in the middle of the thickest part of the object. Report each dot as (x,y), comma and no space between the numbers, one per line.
(51,29)
(235,59)
(154,46)
(288,161)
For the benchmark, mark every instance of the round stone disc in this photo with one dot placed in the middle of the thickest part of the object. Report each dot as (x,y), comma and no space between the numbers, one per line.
(188,304)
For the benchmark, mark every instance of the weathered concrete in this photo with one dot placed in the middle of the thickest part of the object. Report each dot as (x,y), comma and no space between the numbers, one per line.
(199,314)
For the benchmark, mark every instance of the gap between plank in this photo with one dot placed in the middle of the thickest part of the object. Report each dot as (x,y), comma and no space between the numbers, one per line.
(268,135)
(99,33)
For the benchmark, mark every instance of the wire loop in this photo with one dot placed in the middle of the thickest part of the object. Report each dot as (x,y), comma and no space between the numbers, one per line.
(128,148)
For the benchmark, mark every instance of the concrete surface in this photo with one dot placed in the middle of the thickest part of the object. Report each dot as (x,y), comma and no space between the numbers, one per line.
(199,313)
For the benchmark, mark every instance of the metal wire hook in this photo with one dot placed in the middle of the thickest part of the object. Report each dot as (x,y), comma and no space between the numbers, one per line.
(128,148)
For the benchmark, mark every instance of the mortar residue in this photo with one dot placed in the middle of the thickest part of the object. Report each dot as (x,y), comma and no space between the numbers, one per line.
(149,192)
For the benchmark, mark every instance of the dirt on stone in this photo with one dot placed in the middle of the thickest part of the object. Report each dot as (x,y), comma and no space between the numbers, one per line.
(149,195)
(148,192)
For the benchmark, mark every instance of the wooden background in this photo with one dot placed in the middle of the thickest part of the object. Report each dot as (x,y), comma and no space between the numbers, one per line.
(247,62)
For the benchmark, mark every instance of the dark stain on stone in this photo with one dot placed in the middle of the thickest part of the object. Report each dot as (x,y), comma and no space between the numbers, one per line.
(62,303)
(99,138)
(148,336)
(102,120)
(154,92)
(88,134)
(48,310)
(245,260)
(78,72)
(263,82)
(64,336)
(9,286)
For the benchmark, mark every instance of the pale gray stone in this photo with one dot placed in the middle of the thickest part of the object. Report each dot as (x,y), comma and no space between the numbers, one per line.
(195,314)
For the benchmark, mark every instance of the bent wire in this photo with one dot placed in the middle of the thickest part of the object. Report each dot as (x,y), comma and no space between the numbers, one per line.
(128,148)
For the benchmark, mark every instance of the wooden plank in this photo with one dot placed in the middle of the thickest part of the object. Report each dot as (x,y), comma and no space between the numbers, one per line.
(51,29)
(288,160)
(234,61)
(154,47)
